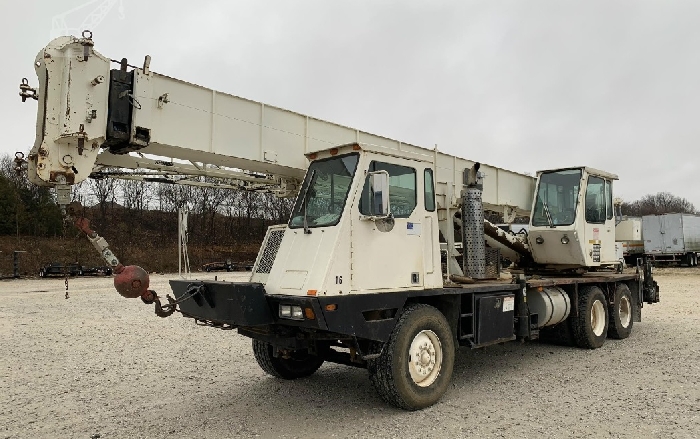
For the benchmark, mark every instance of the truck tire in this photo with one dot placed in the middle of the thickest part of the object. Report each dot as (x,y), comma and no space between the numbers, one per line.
(590,326)
(415,366)
(299,365)
(620,312)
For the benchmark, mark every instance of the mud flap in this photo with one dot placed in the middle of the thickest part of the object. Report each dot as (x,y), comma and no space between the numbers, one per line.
(649,286)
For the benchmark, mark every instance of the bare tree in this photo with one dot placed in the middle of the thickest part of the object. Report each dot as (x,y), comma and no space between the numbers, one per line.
(656,204)
(135,195)
(103,190)
(176,196)
(208,201)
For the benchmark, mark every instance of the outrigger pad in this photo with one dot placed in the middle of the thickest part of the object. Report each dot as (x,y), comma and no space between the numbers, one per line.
(238,304)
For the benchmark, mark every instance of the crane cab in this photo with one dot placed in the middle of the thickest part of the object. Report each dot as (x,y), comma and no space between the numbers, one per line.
(365,221)
(572,221)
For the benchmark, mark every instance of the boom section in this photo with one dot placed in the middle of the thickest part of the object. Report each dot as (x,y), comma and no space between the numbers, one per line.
(92,116)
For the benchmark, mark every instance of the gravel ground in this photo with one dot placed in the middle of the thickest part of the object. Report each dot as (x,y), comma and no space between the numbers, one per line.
(98,364)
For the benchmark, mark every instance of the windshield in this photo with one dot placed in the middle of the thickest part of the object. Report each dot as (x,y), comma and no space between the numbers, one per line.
(557,196)
(323,194)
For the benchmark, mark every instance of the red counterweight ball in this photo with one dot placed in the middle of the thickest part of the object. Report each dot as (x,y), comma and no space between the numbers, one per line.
(131,282)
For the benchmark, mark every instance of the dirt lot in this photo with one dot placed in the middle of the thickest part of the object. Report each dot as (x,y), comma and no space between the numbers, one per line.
(98,364)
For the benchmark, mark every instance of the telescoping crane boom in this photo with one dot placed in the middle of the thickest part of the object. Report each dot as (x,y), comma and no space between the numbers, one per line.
(368,271)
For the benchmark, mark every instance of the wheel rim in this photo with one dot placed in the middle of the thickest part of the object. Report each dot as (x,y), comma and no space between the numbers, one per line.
(425,358)
(625,312)
(598,318)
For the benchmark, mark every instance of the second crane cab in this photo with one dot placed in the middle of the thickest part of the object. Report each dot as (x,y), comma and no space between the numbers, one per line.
(572,221)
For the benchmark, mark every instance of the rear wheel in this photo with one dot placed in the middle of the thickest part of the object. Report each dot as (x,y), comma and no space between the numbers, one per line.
(414,368)
(621,321)
(590,326)
(299,364)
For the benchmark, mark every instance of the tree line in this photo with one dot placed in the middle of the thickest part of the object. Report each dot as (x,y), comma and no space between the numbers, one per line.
(131,212)
(148,210)
(657,204)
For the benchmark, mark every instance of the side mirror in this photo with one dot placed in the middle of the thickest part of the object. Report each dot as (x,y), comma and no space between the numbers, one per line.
(379,194)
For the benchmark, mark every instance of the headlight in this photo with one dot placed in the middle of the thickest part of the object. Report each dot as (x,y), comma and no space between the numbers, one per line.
(539,240)
(564,239)
(291,312)
(285,311)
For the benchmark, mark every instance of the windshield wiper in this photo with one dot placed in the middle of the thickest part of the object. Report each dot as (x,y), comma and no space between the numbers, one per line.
(305,200)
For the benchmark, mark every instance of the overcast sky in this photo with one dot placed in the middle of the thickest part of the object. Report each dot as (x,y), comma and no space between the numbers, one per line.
(523,85)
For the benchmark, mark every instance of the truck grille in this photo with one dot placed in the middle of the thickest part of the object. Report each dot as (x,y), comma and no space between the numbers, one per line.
(270,246)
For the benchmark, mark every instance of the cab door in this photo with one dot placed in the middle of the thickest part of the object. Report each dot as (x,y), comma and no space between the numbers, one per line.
(384,256)
(600,222)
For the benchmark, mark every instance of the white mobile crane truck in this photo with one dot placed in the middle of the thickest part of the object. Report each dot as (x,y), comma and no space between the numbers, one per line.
(368,272)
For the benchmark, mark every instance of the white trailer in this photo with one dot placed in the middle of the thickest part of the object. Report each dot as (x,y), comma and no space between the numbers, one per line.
(672,237)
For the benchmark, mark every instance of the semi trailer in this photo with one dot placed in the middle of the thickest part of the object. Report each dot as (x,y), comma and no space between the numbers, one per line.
(672,237)
(386,262)
(662,239)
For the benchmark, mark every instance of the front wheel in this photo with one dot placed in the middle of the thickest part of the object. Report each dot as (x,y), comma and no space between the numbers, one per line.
(414,368)
(590,326)
(299,364)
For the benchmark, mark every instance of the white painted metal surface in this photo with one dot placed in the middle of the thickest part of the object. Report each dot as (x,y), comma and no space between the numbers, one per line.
(598,318)
(629,229)
(582,243)
(356,256)
(628,233)
(425,358)
(213,129)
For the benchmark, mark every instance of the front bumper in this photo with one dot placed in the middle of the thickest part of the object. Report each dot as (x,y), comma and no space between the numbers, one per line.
(241,304)
(246,305)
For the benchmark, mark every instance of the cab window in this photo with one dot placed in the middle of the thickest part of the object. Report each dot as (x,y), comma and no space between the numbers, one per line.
(429,190)
(595,200)
(402,189)
(608,199)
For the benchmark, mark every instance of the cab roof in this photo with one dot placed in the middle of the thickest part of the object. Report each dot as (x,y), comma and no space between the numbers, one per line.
(588,169)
